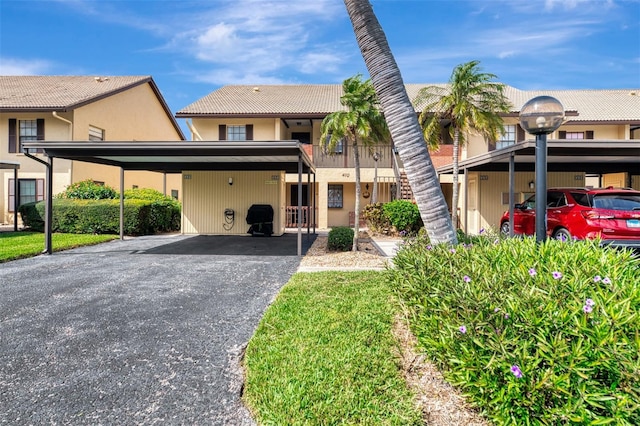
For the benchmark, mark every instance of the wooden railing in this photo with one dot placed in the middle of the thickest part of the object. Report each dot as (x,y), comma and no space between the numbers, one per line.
(345,158)
(293,216)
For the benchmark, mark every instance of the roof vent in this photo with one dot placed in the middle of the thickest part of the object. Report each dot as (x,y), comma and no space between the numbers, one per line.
(633,93)
(100,79)
(256,89)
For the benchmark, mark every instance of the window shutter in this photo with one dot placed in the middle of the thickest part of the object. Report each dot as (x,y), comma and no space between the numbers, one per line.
(13,135)
(12,195)
(520,136)
(588,134)
(39,189)
(40,131)
(562,134)
(222,132)
(249,131)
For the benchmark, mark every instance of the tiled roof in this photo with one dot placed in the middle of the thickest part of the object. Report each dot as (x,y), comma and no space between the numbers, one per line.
(319,100)
(60,92)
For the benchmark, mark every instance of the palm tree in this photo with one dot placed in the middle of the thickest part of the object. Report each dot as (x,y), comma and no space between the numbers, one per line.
(361,123)
(471,102)
(402,121)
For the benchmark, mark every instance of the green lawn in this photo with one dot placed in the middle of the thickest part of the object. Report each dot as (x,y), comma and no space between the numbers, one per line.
(18,245)
(324,354)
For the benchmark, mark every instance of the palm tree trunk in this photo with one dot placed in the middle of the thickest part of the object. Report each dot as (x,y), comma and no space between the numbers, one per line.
(455,191)
(402,121)
(356,224)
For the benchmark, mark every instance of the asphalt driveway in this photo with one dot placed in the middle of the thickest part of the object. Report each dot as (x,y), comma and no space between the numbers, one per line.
(142,331)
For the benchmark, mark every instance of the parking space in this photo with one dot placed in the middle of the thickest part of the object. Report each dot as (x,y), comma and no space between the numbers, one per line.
(141,331)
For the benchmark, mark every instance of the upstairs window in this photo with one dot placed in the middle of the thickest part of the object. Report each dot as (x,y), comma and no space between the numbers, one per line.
(588,134)
(96,133)
(508,137)
(21,131)
(235,132)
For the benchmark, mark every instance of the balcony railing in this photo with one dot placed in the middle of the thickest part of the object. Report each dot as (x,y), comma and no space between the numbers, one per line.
(304,216)
(345,159)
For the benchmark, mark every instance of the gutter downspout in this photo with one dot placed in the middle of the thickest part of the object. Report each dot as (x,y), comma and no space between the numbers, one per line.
(194,131)
(48,209)
(70,123)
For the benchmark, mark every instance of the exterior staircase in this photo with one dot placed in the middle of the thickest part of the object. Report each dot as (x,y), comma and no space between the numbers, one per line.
(405,189)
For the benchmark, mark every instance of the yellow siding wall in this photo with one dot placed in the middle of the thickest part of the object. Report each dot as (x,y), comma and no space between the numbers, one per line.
(207,194)
(132,115)
(264,129)
(491,185)
(617,180)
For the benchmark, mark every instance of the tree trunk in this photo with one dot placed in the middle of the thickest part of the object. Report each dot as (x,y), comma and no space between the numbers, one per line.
(356,224)
(402,121)
(455,191)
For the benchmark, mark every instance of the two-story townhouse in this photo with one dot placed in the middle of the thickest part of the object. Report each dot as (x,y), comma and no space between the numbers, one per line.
(295,112)
(597,119)
(598,145)
(78,108)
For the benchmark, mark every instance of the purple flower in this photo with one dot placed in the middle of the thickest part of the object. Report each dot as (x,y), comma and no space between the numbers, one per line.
(467,279)
(587,309)
(589,302)
(496,309)
(532,272)
(481,231)
(606,280)
(462,329)
(597,278)
(429,247)
(506,316)
(496,241)
(515,370)
(557,275)
(452,250)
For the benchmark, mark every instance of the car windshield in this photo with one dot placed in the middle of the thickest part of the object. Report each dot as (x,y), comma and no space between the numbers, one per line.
(617,201)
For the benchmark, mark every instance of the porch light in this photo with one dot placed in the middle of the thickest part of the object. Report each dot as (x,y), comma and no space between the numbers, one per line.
(540,116)
(230,181)
(532,184)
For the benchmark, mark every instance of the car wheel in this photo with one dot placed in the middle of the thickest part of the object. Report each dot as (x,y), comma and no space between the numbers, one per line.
(504,229)
(562,234)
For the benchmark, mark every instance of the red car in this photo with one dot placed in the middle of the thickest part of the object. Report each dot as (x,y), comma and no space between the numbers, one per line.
(613,215)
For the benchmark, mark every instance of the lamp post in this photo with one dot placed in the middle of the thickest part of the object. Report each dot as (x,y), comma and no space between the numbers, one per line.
(540,116)
(376,157)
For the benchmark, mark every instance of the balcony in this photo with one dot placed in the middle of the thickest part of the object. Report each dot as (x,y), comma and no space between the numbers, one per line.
(345,158)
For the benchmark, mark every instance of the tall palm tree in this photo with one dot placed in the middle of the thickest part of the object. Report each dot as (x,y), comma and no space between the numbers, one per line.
(361,123)
(402,121)
(470,103)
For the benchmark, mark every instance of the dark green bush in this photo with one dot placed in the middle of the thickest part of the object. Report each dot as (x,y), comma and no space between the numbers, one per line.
(533,333)
(88,190)
(340,238)
(141,217)
(403,215)
(377,221)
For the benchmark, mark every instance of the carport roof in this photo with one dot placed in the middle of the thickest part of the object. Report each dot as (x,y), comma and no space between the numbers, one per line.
(174,157)
(585,156)
(9,165)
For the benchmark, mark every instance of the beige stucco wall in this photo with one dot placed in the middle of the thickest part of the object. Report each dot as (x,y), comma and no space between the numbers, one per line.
(264,129)
(207,194)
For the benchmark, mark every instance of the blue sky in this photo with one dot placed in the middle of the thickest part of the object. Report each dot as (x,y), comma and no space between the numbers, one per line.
(193,47)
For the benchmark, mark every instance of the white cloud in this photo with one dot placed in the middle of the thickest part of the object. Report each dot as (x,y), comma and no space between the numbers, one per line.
(11,66)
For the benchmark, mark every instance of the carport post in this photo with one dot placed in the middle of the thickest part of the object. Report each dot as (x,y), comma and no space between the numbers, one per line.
(121,203)
(512,184)
(15,199)
(48,221)
(299,204)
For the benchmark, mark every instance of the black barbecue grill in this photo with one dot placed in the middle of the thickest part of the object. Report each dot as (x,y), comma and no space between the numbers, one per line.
(260,217)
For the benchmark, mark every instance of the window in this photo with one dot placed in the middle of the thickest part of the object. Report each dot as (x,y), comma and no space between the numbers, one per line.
(235,132)
(508,137)
(134,186)
(21,131)
(574,135)
(335,196)
(96,134)
(174,194)
(339,148)
(588,134)
(29,190)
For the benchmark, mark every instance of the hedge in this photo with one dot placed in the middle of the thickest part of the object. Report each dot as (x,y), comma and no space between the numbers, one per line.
(141,217)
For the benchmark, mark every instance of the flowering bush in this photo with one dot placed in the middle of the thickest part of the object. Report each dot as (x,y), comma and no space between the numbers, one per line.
(533,333)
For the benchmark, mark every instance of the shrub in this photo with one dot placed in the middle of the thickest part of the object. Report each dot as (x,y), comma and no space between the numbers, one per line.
(141,217)
(88,190)
(403,215)
(340,238)
(532,333)
(376,219)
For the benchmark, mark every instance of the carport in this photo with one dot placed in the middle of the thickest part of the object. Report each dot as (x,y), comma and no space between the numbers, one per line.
(598,157)
(15,166)
(175,157)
